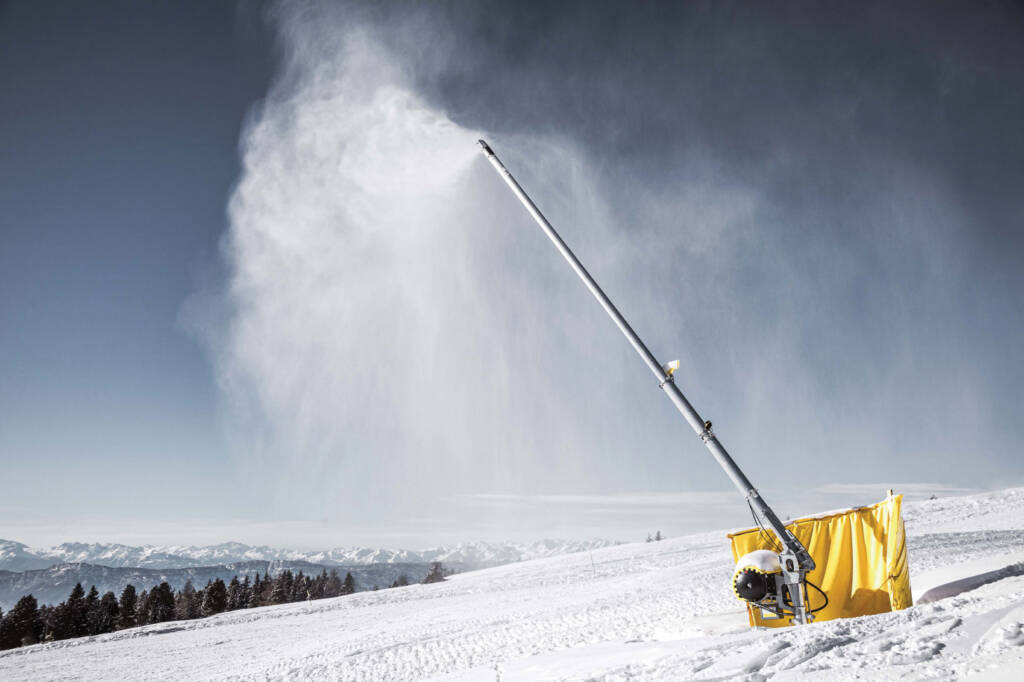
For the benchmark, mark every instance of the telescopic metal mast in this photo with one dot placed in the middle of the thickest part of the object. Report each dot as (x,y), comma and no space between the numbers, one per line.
(796,561)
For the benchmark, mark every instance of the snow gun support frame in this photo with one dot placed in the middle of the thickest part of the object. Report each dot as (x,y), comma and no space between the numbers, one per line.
(789,599)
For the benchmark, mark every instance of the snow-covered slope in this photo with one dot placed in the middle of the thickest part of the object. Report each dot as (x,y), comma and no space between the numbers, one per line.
(650,611)
(15,556)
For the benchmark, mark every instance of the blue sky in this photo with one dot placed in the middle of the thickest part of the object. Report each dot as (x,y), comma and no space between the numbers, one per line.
(120,128)
(256,283)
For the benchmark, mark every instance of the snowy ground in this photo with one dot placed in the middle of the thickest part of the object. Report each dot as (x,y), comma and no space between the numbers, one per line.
(648,611)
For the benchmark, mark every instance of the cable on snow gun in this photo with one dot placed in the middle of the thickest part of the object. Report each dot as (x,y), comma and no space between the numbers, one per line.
(773,581)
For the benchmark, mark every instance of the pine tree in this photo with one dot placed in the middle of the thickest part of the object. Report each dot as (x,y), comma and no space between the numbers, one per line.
(402,580)
(319,584)
(126,607)
(76,611)
(180,605)
(188,604)
(215,599)
(60,622)
(161,603)
(234,588)
(333,586)
(436,573)
(649,538)
(298,590)
(256,594)
(6,635)
(244,593)
(282,588)
(142,609)
(21,626)
(657,536)
(197,598)
(268,588)
(107,613)
(46,618)
(197,611)
(91,606)
(349,586)
(289,583)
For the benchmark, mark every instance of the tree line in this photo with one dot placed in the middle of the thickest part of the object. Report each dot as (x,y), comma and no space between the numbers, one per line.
(84,614)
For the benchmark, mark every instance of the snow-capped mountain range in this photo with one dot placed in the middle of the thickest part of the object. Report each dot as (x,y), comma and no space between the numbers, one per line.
(15,556)
(53,584)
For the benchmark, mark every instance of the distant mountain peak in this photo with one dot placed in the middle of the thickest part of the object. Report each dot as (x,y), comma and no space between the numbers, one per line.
(16,556)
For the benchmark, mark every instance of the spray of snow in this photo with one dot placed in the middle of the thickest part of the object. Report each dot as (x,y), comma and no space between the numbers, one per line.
(376,314)
(401,339)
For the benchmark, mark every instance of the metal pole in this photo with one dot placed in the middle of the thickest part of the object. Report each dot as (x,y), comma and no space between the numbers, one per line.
(665,380)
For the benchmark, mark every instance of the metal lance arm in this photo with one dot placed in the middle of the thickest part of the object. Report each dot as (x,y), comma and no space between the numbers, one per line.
(799,560)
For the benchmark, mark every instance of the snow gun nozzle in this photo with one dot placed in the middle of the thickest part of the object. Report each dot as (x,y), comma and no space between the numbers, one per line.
(485,147)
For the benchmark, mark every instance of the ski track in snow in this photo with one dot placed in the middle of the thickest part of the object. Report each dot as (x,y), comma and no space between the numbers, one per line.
(642,611)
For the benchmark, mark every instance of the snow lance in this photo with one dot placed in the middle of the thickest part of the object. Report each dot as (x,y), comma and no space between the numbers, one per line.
(774,582)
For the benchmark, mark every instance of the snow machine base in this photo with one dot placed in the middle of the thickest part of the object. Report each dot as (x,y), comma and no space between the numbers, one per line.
(860,558)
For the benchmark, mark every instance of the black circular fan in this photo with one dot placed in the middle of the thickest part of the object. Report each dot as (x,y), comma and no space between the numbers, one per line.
(752,585)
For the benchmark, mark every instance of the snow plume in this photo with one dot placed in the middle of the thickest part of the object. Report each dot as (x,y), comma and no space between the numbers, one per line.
(401,338)
(385,350)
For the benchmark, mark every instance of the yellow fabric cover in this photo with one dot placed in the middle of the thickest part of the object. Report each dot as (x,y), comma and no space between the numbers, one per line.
(860,557)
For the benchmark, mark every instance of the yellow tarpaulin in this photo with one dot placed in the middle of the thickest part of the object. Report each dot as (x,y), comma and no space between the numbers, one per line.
(860,557)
